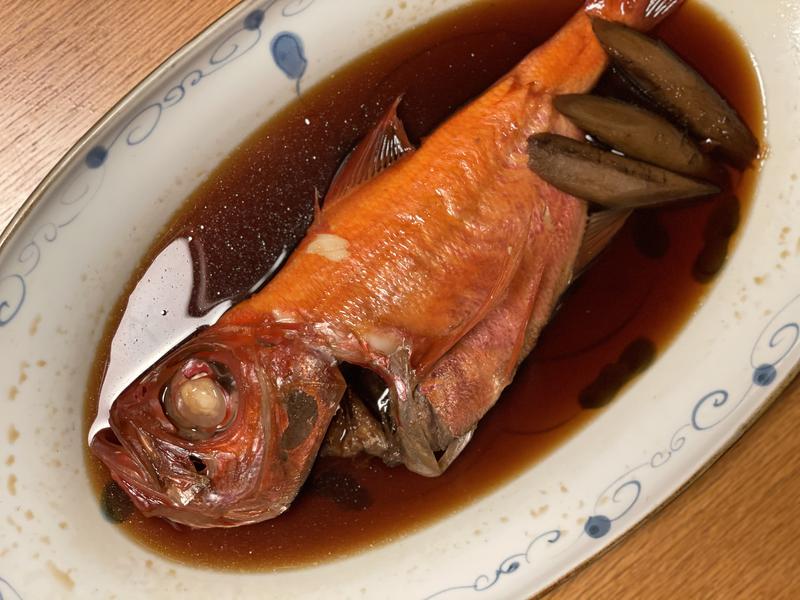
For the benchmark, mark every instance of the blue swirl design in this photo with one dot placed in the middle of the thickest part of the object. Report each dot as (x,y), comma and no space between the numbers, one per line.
(142,125)
(14,285)
(295,7)
(624,498)
(773,346)
(12,296)
(7,591)
(288,53)
(510,564)
(240,41)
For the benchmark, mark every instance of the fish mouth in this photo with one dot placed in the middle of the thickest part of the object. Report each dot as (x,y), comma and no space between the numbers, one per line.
(134,473)
(107,447)
(222,431)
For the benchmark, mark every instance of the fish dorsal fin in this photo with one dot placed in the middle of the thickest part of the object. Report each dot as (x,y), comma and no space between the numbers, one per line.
(601,228)
(379,150)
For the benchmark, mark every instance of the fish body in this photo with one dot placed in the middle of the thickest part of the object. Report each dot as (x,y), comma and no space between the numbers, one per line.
(435,275)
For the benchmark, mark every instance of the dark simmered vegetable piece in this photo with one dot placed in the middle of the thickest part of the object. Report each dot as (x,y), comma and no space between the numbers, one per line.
(637,133)
(605,178)
(678,89)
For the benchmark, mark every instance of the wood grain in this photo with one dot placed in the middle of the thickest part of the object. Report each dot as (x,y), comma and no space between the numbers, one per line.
(734,534)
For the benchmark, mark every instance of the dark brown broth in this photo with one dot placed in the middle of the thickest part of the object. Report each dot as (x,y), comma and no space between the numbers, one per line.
(612,324)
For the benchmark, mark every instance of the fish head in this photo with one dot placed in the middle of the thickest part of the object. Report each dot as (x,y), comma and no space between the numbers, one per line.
(223,430)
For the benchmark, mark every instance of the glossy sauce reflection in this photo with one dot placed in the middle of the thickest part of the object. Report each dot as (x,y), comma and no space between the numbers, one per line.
(611,325)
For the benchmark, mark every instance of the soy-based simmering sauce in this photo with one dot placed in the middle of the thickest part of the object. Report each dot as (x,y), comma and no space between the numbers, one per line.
(612,324)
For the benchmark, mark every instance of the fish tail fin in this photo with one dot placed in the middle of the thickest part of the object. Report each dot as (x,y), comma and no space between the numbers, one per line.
(641,14)
(575,45)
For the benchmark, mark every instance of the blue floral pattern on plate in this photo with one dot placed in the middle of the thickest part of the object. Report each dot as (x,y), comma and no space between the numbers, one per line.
(509,565)
(772,348)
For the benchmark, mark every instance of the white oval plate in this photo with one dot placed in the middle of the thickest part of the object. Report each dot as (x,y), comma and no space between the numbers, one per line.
(72,248)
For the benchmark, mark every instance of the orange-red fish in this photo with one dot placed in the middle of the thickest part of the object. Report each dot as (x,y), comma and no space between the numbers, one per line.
(434,275)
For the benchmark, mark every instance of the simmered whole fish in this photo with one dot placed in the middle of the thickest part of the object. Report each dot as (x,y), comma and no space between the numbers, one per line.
(430,271)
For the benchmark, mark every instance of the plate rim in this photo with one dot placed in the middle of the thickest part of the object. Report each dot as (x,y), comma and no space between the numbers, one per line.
(74,153)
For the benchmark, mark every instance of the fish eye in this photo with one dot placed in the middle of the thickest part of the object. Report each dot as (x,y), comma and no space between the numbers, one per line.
(197,399)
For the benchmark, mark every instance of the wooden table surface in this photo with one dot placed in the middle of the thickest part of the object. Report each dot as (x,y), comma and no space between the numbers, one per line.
(734,534)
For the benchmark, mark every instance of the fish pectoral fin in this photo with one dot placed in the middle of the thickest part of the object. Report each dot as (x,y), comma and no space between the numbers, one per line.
(417,432)
(446,405)
(383,146)
(453,450)
(601,228)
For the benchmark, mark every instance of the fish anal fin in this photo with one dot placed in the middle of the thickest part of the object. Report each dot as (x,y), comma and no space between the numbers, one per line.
(383,146)
(601,228)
